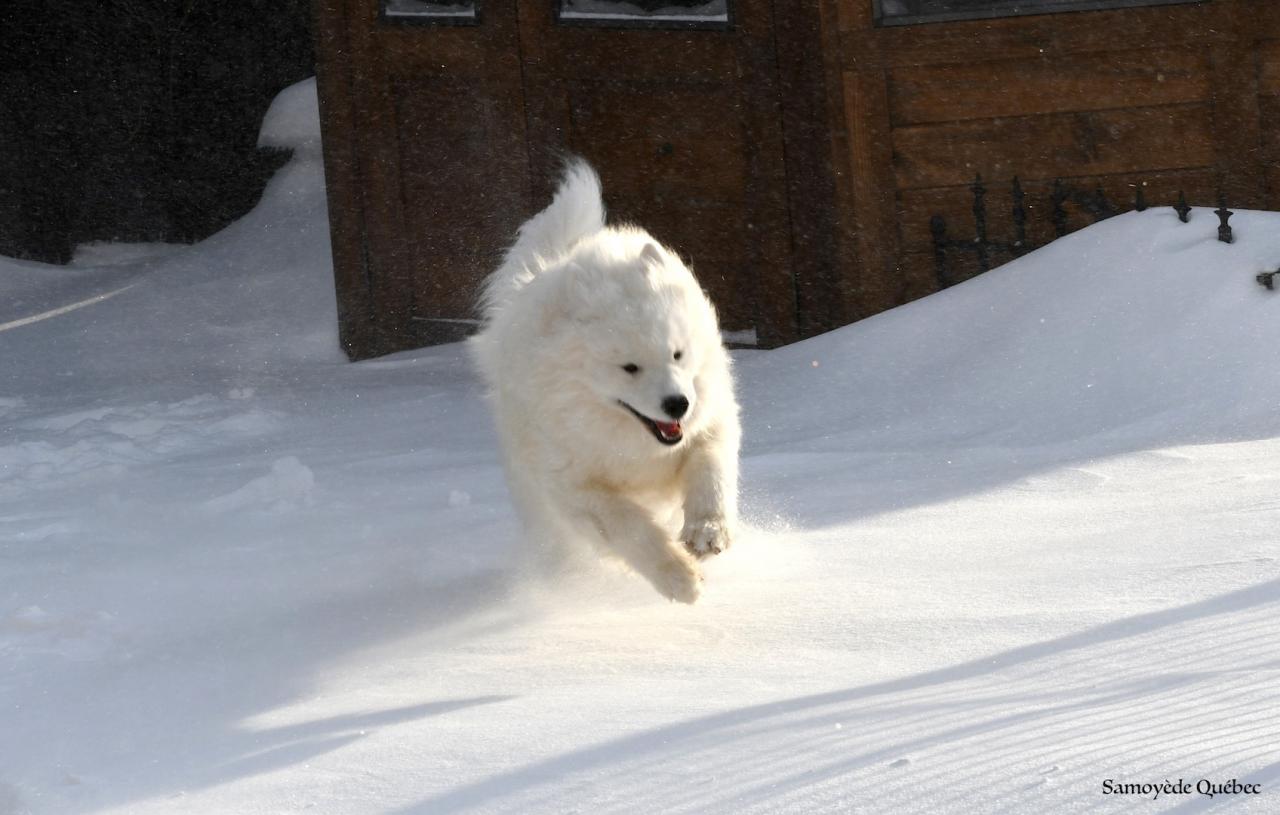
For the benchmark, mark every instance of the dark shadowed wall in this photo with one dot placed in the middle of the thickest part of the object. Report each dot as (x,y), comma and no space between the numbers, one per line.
(137,119)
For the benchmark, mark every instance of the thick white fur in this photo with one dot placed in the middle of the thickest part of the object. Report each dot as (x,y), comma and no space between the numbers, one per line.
(572,303)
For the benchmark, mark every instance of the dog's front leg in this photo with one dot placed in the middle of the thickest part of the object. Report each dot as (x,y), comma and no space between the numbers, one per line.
(711,493)
(630,532)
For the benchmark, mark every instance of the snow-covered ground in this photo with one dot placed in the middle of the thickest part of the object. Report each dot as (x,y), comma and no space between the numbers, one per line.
(1008,542)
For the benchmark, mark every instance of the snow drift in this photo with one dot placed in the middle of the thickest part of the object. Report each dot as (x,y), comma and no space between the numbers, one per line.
(1011,541)
(1139,325)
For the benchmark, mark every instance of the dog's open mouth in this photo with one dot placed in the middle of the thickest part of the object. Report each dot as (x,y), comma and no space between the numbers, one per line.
(666,432)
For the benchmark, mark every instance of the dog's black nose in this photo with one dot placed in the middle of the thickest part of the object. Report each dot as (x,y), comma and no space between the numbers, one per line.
(675,406)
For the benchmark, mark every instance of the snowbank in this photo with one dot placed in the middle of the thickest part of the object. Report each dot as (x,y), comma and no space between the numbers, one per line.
(293,120)
(1008,542)
(1141,326)
(253,301)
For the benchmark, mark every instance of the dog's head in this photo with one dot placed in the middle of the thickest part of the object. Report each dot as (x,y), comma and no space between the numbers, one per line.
(643,337)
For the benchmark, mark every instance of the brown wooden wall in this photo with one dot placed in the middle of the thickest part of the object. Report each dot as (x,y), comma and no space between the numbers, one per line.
(441,139)
(1269,107)
(1169,97)
(796,157)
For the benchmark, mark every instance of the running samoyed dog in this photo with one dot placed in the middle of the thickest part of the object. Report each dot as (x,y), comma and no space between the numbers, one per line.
(612,391)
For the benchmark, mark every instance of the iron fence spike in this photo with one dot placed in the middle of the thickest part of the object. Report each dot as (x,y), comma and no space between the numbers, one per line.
(1182,208)
(1224,215)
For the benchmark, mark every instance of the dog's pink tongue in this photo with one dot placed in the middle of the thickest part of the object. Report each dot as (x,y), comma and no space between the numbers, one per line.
(669,429)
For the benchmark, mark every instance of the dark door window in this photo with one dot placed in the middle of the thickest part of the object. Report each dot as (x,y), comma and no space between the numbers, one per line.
(902,12)
(698,13)
(430,11)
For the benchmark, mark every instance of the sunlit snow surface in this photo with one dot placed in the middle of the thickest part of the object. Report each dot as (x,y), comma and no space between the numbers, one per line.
(1006,543)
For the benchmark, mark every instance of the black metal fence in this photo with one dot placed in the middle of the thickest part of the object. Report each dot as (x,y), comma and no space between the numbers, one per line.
(1093,203)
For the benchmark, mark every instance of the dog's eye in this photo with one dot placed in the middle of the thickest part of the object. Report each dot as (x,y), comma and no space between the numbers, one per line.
(631,368)
(677,355)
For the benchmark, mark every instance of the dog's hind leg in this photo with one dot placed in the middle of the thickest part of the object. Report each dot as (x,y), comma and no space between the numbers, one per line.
(628,531)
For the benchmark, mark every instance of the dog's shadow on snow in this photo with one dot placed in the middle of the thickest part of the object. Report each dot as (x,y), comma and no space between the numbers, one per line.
(878,744)
(219,702)
(408,609)
(288,745)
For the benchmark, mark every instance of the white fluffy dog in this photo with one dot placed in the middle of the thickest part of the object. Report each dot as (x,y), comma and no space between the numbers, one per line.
(612,391)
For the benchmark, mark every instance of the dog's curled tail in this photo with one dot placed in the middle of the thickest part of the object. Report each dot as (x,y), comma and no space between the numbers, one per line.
(576,211)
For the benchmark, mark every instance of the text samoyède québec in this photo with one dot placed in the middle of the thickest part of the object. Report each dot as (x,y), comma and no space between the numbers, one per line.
(1204,787)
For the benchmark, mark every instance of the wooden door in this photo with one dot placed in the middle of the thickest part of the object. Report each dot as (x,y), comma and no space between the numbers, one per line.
(681,117)
(426,161)
(446,123)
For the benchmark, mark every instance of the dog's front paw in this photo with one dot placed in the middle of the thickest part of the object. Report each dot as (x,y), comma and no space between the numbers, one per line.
(705,537)
(679,580)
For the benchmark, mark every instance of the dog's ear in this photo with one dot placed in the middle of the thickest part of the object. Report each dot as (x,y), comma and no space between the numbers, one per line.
(651,255)
(572,300)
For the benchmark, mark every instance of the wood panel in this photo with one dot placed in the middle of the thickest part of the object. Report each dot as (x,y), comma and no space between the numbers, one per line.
(381,205)
(628,128)
(1237,136)
(1087,143)
(811,163)
(684,179)
(1042,36)
(1271,149)
(871,285)
(456,49)
(685,128)
(1141,78)
(424,167)
(463,182)
(1269,111)
(356,320)
(770,252)
(1269,67)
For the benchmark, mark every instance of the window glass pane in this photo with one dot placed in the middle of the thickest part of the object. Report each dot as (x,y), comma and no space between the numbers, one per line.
(891,12)
(436,10)
(670,11)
